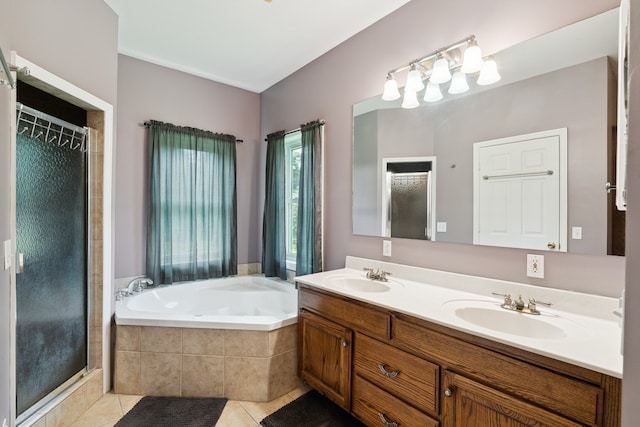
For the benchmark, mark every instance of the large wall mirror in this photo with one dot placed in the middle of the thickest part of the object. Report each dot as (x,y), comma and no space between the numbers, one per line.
(563,82)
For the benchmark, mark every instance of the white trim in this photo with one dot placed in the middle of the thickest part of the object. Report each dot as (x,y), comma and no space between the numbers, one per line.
(108,269)
(561,133)
(623,119)
(12,236)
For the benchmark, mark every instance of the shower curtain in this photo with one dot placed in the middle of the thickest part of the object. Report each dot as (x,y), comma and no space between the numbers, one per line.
(51,292)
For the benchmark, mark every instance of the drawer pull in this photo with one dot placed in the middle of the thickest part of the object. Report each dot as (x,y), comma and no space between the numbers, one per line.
(345,343)
(386,373)
(448,392)
(385,422)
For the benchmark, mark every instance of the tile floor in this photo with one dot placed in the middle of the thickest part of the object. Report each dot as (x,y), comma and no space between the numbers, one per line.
(111,407)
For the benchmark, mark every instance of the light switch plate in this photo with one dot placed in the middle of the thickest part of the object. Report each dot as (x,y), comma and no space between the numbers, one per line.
(386,248)
(576,233)
(7,254)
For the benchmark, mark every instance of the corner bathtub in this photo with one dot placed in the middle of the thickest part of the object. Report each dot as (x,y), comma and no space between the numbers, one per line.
(244,302)
(234,337)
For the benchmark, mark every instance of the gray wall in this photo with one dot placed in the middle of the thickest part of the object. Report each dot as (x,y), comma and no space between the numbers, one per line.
(147,91)
(328,87)
(77,41)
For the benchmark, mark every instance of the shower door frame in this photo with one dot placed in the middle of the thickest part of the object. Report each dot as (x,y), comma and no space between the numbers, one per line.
(40,116)
(385,193)
(89,102)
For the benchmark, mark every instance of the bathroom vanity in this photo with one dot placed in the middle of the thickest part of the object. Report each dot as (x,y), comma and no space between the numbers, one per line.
(406,353)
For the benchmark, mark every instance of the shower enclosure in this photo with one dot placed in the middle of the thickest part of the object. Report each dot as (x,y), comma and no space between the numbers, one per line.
(51,242)
(408,201)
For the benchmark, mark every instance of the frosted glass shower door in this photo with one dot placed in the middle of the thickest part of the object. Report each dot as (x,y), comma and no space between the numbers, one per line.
(51,292)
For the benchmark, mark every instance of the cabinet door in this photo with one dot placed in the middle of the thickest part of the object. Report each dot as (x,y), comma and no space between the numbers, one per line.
(468,403)
(325,357)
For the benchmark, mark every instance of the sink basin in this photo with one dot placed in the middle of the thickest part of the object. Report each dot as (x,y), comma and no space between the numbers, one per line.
(357,284)
(510,322)
(489,315)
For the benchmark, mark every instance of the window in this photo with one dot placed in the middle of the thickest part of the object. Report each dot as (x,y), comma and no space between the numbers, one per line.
(293,149)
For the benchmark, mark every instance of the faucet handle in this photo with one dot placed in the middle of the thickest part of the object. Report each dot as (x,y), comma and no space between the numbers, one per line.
(532,304)
(507,297)
(121,294)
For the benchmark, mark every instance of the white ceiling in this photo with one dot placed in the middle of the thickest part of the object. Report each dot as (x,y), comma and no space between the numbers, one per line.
(250,44)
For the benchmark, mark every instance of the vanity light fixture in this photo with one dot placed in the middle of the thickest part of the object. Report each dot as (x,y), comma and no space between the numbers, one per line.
(465,57)
(432,94)
(458,83)
(414,80)
(410,99)
(391,92)
(440,72)
(489,72)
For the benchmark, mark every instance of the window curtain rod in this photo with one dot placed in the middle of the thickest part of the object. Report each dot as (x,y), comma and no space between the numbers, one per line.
(148,124)
(287,132)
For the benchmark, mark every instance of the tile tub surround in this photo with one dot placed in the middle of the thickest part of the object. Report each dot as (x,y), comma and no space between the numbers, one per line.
(240,365)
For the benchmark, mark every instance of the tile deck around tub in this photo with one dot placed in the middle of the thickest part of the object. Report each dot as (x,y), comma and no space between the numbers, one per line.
(236,364)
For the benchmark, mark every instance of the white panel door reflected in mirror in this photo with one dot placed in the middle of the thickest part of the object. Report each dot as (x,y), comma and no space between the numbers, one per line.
(520,191)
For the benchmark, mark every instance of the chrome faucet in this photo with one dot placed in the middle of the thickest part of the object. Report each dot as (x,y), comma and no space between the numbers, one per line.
(138,284)
(377,275)
(518,305)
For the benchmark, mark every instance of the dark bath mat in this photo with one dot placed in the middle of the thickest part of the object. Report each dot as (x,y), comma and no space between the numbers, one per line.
(311,410)
(174,412)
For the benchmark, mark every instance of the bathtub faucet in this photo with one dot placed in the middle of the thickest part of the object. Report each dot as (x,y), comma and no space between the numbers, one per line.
(138,284)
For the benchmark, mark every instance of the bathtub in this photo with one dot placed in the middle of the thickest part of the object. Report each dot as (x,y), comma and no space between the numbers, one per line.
(245,302)
(233,337)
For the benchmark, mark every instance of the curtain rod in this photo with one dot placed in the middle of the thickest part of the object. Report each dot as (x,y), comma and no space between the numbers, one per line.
(147,124)
(321,122)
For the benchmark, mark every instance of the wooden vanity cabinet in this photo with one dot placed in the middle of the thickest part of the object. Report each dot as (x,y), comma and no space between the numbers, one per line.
(405,371)
(324,353)
(469,403)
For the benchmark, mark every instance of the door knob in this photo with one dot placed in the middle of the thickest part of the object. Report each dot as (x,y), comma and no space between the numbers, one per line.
(551,245)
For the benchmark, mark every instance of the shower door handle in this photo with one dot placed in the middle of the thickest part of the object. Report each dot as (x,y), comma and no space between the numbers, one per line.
(20,263)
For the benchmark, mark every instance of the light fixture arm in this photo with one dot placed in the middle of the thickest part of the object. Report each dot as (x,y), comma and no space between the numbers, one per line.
(433,55)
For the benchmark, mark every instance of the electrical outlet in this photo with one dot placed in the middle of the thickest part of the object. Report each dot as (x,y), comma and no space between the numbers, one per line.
(386,248)
(535,266)
(441,227)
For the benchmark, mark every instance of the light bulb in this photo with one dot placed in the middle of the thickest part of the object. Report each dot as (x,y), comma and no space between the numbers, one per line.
(440,73)
(391,92)
(414,80)
(458,83)
(432,94)
(489,72)
(472,60)
(410,99)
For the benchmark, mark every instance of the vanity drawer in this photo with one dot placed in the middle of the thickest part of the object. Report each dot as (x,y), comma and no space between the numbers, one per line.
(568,396)
(410,378)
(370,404)
(376,323)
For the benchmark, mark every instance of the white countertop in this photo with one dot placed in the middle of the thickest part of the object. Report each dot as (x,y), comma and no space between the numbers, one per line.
(580,329)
